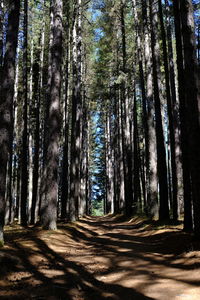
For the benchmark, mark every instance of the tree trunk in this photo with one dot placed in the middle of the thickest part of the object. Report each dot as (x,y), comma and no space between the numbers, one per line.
(45,107)
(161,153)
(6,101)
(136,164)
(144,103)
(24,163)
(30,137)
(183,123)
(38,86)
(192,96)
(152,186)
(1,36)
(170,115)
(49,210)
(76,117)
(175,108)
(65,162)
(126,144)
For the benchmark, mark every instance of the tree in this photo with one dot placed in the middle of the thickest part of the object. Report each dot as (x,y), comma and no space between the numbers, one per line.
(183,121)
(49,208)
(24,156)
(192,98)
(6,102)
(170,114)
(1,34)
(76,114)
(161,154)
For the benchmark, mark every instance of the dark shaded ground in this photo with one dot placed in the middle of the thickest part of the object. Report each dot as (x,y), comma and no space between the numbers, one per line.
(100,258)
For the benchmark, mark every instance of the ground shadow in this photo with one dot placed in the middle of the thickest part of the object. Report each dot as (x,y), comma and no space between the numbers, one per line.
(32,269)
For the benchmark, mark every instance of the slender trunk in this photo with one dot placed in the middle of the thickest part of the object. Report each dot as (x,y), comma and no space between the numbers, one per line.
(183,125)
(24,163)
(30,138)
(136,166)
(126,145)
(83,198)
(144,103)
(117,183)
(152,186)
(38,86)
(76,117)
(175,108)
(1,36)
(109,169)
(198,44)
(161,153)
(65,163)
(170,115)
(122,199)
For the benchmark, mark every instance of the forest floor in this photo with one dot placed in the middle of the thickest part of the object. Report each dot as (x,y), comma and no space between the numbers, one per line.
(100,258)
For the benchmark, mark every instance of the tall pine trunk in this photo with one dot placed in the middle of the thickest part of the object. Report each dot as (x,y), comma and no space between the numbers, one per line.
(183,121)
(126,143)
(65,162)
(1,36)
(192,96)
(24,163)
(6,101)
(152,180)
(49,209)
(161,153)
(76,116)
(170,115)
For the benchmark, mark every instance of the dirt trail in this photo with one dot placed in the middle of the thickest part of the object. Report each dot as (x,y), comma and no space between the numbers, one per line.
(100,258)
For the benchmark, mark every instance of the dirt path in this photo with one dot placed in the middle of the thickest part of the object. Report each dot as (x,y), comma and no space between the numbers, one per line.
(98,259)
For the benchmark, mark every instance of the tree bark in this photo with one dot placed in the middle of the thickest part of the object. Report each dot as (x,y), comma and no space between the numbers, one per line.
(192,96)
(126,145)
(76,116)
(65,162)
(183,121)
(24,157)
(6,101)
(161,153)
(152,180)
(49,209)
(170,116)
(1,35)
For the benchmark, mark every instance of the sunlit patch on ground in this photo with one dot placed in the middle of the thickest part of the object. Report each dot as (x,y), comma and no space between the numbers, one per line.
(100,258)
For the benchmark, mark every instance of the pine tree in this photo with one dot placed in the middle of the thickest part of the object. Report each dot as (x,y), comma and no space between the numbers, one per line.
(6,101)
(49,209)
(161,154)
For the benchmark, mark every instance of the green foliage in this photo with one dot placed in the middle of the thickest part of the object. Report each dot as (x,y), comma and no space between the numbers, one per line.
(1,243)
(97,209)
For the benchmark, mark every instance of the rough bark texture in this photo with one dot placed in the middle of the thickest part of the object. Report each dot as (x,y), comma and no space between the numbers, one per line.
(37,91)
(161,154)
(65,162)
(170,115)
(76,118)
(6,101)
(49,209)
(24,163)
(126,144)
(183,125)
(152,192)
